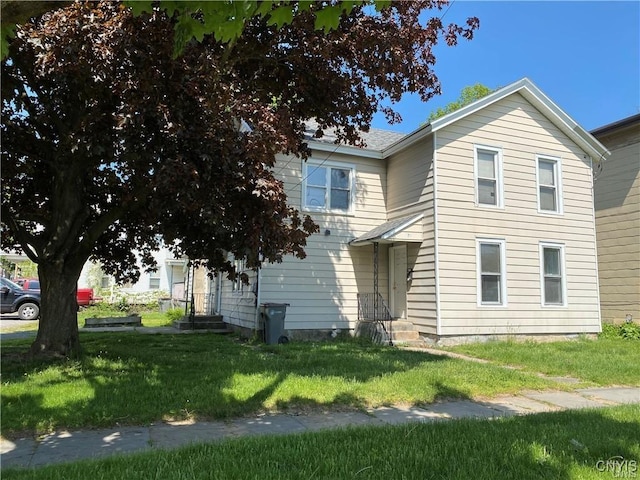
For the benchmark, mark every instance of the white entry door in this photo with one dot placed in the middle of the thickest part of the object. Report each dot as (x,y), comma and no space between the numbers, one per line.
(398,281)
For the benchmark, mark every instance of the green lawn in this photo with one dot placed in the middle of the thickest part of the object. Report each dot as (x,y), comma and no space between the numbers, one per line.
(606,361)
(128,378)
(564,445)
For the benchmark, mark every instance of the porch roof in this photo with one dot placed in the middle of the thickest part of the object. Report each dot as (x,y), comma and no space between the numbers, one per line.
(397,230)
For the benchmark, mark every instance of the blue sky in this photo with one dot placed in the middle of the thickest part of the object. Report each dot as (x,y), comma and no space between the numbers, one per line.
(585,55)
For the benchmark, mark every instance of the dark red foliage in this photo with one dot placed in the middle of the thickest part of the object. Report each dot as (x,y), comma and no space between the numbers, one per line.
(108,141)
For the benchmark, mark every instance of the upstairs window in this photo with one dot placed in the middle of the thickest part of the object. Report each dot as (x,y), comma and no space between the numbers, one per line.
(328,187)
(488,171)
(549,185)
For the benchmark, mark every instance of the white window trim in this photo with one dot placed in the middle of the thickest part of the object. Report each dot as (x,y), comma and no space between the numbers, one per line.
(308,167)
(503,274)
(563,271)
(154,276)
(499,178)
(558,178)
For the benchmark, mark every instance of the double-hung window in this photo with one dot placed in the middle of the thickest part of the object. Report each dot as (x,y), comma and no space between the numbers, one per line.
(552,277)
(154,280)
(328,187)
(491,272)
(488,173)
(549,185)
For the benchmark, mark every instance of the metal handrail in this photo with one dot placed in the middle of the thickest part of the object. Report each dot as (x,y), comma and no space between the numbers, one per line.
(373,308)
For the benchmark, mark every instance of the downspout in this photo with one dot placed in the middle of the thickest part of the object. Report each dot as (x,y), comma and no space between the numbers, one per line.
(218,293)
(436,256)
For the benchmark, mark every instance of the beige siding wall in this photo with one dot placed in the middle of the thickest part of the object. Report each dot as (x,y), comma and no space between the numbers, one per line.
(322,288)
(410,190)
(521,132)
(617,194)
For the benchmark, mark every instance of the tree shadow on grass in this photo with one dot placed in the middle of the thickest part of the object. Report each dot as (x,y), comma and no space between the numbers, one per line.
(130,379)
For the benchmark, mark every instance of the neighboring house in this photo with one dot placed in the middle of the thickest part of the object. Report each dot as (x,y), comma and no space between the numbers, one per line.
(617,203)
(172,278)
(479,224)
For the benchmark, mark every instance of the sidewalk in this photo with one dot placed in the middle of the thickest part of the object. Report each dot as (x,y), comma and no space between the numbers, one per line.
(69,446)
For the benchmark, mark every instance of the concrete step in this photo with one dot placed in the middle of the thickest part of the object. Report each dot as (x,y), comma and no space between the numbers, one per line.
(403,325)
(404,334)
(203,322)
(420,343)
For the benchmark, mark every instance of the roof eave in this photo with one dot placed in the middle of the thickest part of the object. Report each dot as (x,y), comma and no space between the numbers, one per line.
(534,95)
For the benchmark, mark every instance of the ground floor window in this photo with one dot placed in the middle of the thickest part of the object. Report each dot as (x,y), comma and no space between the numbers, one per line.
(491,272)
(552,274)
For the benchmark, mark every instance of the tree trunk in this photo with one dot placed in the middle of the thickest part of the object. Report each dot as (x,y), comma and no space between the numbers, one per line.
(58,330)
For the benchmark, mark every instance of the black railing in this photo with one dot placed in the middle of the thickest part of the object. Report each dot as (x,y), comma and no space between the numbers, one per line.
(200,304)
(372,308)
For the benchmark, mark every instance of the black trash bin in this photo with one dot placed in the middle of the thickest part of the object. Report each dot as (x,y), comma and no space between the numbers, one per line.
(273,315)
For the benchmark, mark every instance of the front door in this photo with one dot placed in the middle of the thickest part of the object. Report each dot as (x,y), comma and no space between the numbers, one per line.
(398,281)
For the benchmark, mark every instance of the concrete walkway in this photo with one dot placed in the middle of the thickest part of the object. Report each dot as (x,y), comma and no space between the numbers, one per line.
(69,446)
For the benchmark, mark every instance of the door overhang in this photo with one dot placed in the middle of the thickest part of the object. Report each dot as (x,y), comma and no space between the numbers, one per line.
(404,229)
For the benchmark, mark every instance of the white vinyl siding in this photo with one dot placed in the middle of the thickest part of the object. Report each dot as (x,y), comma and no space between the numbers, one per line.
(552,277)
(328,186)
(410,190)
(549,178)
(322,289)
(491,262)
(522,133)
(488,176)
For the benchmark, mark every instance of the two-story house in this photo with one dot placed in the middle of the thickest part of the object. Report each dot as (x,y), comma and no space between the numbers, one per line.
(476,225)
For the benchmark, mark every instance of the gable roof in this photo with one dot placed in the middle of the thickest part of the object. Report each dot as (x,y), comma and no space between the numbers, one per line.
(530,92)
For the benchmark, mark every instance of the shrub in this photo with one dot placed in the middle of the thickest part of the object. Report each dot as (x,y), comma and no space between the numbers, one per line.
(610,330)
(628,330)
(174,314)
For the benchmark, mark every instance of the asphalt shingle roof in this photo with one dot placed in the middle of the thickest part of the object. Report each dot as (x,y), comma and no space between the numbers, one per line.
(375,138)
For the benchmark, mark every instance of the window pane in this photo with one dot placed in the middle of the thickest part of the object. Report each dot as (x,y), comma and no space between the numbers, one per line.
(316,176)
(491,288)
(552,261)
(487,192)
(546,173)
(315,197)
(490,258)
(553,291)
(548,199)
(339,178)
(340,199)
(486,164)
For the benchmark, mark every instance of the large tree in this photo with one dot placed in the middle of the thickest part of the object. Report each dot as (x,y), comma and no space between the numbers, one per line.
(110,141)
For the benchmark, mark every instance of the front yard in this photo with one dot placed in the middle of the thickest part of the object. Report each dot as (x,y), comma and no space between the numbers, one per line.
(128,378)
(606,361)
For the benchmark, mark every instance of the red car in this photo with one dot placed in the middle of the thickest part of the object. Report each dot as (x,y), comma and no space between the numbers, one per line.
(84,296)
